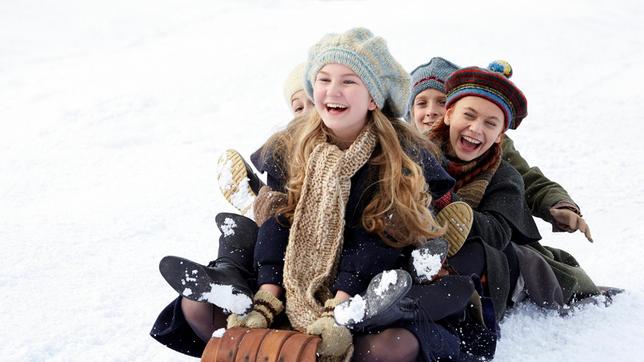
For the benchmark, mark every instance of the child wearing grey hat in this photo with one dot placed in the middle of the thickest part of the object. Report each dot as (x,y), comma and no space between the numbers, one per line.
(335,193)
(353,195)
(547,199)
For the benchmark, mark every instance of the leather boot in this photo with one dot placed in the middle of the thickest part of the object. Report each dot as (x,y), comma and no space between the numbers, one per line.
(426,261)
(447,297)
(232,270)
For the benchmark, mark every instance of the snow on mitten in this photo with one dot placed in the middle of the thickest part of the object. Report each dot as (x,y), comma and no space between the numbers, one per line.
(266,202)
(265,308)
(336,339)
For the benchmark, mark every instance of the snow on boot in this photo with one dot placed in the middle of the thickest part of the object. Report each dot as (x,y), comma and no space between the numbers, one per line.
(457,217)
(426,261)
(447,297)
(383,302)
(237,181)
(219,283)
(227,281)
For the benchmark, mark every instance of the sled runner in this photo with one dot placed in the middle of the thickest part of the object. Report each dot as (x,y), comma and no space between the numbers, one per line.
(261,344)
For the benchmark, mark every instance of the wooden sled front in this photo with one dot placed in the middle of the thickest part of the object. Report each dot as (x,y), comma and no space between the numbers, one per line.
(261,344)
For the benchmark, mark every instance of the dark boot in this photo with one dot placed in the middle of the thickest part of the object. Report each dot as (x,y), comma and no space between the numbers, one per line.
(446,297)
(427,260)
(232,270)
(380,304)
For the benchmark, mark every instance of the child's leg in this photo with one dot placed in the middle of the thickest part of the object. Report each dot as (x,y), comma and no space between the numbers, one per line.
(203,318)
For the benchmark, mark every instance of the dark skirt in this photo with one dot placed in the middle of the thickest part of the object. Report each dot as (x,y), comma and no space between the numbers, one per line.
(172,330)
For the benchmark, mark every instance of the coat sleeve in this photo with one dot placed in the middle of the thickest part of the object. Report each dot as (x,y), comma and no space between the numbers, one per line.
(502,215)
(540,192)
(272,239)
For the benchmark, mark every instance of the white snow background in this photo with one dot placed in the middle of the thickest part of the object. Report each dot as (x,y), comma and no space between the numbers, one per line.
(113,114)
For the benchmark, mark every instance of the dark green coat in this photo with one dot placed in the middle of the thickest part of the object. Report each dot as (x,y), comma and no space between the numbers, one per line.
(540,192)
(503,218)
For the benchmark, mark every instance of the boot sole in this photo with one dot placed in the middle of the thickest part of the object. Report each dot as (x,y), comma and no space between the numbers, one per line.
(435,247)
(376,303)
(457,217)
(193,281)
(234,182)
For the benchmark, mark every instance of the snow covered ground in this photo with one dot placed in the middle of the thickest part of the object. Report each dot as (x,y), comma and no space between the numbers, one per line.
(113,114)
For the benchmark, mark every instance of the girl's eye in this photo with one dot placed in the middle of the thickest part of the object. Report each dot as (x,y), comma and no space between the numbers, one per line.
(421,103)
(490,123)
(349,81)
(323,79)
(469,115)
(442,102)
(298,109)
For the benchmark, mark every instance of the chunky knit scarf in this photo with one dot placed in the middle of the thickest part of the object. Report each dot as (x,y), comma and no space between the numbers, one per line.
(472,177)
(316,235)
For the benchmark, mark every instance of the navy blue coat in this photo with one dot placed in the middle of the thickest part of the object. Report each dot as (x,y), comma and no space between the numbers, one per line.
(364,254)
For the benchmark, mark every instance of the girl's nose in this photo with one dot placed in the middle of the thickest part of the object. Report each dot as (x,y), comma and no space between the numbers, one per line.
(334,88)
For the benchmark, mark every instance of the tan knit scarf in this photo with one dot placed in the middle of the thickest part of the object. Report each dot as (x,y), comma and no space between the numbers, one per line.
(317,231)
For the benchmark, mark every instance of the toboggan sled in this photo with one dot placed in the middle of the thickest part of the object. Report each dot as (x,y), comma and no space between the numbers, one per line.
(261,344)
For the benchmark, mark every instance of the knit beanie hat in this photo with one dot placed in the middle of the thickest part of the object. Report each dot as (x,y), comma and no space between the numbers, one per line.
(294,82)
(430,75)
(493,85)
(367,55)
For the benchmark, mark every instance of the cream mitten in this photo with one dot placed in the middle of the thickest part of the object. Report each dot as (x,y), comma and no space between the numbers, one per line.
(265,308)
(336,339)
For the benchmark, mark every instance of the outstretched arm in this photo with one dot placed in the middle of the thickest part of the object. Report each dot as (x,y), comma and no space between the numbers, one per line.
(546,199)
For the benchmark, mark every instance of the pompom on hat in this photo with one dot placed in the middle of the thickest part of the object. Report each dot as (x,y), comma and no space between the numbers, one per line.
(294,82)
(493,85)
(368,56)
(431,75)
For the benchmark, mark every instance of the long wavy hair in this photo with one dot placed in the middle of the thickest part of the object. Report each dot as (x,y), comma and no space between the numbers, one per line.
(398,213)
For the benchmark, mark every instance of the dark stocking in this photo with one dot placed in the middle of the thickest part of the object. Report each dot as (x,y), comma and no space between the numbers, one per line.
(203,318)
(393,344)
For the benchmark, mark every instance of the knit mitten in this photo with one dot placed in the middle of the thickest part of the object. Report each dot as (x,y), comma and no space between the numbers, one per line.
(266,203)
(265,308)
(336,339)
(457,217)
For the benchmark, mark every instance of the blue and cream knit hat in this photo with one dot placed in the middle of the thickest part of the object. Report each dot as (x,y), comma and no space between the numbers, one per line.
(491,84)
(367,55)
(430,75)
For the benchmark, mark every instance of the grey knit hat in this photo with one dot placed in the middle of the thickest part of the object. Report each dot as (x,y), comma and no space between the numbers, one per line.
(367,55)
(430,75)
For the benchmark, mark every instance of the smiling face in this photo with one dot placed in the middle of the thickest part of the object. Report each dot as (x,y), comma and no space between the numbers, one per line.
(475,124)
(342,100)
(300,103)
(428,108)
